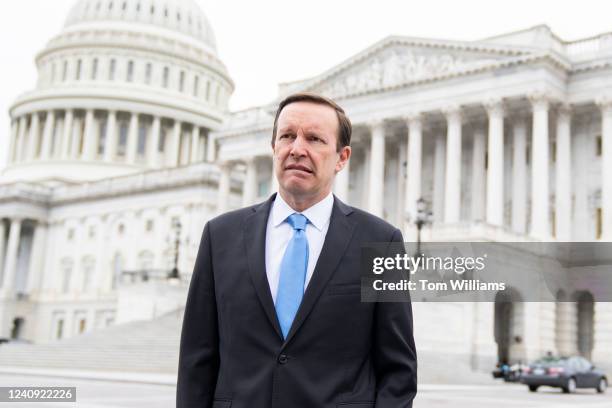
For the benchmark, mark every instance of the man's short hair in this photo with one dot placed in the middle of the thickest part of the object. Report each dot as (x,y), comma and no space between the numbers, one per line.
(344,124)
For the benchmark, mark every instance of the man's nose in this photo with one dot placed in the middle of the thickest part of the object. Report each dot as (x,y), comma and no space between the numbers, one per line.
(299,146)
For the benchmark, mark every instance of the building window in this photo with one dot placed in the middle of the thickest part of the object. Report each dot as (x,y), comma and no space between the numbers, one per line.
(88,266)
(130,71)
(124,6)
(207,90)
(111,70)
(182,81)
(52,79)
(94,69)
(149,226)
(599,223)
(92,232)
(110,5)
(598,145)
(121,229)
(148,73)
(165,78)
(70,234)
(196,85)
(174,221)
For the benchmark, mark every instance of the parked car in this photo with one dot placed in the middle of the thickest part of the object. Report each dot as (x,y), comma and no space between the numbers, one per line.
(567,373)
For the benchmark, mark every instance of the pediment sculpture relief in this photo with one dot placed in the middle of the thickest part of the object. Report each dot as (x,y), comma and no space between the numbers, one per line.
(395,68)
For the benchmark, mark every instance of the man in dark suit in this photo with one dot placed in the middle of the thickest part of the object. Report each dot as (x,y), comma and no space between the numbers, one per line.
(274,317)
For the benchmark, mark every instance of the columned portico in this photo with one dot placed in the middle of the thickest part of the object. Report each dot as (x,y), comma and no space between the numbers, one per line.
(452,195)
(377,167)
(495,170)
(540,219)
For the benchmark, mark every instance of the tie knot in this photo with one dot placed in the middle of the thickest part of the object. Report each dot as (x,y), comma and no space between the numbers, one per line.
(297,221)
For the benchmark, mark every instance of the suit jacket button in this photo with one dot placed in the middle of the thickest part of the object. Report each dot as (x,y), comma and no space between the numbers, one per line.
(283,359)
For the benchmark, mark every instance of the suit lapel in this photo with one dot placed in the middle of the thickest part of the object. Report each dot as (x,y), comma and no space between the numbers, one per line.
(338,236)
(255,242)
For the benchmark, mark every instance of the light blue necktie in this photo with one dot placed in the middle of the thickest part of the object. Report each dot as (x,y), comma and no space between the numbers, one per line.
(292,273)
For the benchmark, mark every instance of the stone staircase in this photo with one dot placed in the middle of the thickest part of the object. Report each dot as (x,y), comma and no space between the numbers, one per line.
(142,346)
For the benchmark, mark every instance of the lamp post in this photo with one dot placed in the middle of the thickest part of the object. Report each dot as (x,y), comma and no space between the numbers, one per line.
(422,218)
(174,273)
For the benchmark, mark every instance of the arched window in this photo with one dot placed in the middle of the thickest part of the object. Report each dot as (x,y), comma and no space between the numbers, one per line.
(196,85)
(166,77)
(182,81)
(148,73)
(88,265)
(130,71)
(111,70)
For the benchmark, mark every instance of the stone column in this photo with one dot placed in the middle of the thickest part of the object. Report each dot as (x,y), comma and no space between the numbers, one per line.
(110,140)
(479,154)
(415,159)
(377,168)
(602,339)
(249,189)
(204,146)
(49,128)
(452,192)
(89,142)
(132,140)
(67,133)
(519,176)
(2,249)
(195,144)
(13,141)
(37,260)
(341,183)
(32,145)
(153,151)
(224,187)
(606,168)
(21,139)
(76,138)
(439,174)
(563,179)
(495,170)
(540,219)
(10,261)
(173,146)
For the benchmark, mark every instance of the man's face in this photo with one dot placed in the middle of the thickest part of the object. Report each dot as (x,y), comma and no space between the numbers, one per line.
(305,156)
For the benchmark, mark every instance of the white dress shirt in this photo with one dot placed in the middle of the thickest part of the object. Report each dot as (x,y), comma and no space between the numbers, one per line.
(279,233)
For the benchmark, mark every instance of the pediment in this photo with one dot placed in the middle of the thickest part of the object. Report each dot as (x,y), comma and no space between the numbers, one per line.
(395,62)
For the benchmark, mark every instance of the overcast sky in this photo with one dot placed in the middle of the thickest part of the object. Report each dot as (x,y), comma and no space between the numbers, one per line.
(264,42)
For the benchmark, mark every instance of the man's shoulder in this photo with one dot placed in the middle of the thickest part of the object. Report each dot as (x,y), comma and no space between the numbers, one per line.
(373,227)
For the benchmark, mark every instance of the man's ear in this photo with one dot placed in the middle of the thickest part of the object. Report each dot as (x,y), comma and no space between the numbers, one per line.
(343,158)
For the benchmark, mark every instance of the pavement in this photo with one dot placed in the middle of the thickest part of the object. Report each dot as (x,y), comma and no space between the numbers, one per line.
(133,390)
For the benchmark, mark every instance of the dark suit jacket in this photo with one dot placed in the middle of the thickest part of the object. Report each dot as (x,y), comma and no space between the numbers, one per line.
(339,352)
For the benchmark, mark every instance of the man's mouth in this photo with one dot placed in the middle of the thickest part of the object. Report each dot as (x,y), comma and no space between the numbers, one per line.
(299,167)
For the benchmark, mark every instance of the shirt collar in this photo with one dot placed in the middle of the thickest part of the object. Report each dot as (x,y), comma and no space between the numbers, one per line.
(318,215)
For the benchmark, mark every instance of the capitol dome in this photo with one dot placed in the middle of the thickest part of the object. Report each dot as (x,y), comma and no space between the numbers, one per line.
(126,86)
(183,16)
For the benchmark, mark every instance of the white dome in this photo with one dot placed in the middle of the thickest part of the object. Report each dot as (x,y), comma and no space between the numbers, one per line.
(183,16)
